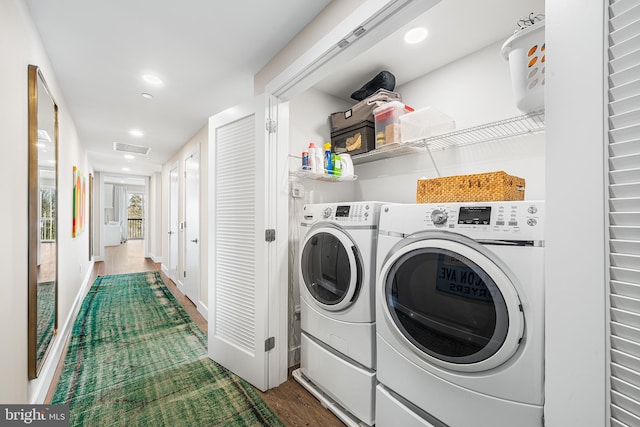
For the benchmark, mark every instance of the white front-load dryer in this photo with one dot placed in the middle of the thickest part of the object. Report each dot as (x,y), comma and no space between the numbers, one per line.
(336,261)
(460,314)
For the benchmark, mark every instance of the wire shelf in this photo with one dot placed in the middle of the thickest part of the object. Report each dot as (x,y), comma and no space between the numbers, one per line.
(301,173)
(529,123)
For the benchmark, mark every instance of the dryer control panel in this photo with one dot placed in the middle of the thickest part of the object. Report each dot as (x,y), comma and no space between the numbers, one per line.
(513,220)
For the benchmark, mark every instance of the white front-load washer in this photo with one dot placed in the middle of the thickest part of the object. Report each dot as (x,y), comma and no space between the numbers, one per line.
(460,314)
(337,312)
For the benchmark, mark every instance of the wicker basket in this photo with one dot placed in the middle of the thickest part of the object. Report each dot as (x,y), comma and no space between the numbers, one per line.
(481,187)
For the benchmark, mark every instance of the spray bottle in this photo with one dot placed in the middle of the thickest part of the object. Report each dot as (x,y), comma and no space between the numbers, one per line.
(313,167)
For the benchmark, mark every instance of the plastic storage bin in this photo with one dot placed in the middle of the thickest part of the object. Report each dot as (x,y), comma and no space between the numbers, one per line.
(387,119)
(526,53)
(424,123)
(362,111)
(355,139)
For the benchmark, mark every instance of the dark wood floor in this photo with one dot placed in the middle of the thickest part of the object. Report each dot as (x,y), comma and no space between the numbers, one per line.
(290,401)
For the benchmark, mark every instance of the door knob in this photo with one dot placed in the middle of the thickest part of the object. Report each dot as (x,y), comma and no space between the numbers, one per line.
(195,240)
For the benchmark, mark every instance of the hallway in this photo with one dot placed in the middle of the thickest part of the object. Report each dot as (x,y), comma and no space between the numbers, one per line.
(291,403)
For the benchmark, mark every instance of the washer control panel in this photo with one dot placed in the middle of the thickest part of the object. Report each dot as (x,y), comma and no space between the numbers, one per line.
(343,213)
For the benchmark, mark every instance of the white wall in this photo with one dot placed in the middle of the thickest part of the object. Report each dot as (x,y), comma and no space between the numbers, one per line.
(201,140)
(576,382)
(473,90)
(20,45)
(308,121)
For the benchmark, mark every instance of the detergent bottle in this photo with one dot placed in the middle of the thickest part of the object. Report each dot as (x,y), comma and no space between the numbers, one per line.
(328,164)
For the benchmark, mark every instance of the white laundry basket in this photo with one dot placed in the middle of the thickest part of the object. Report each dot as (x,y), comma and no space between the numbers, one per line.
(525,51)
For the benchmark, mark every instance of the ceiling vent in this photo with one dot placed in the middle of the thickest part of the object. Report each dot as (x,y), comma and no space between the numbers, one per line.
(130,148)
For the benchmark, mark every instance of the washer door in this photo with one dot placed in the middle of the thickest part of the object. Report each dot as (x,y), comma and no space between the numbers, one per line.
(330,268)
(450,302)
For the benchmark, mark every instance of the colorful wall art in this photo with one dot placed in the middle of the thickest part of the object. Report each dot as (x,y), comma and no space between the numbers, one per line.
(79,202)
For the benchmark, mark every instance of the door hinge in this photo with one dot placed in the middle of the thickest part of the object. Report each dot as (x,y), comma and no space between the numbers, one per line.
(270,235)
(272,126)
(185,273)
(269,343)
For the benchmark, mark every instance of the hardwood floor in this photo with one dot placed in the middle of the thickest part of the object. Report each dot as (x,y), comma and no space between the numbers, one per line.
(294,405)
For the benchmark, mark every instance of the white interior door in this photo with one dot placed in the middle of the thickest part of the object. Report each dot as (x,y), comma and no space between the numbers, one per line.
(192,227)
(247,296)
(173,224)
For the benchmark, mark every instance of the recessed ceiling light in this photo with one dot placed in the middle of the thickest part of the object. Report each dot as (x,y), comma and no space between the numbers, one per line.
(147,95)
(151,79)
(415,35)
(126,169)
(129,156)
(137,133)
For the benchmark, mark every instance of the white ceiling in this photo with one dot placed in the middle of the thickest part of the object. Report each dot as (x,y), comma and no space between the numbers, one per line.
(456,28)
(207,53)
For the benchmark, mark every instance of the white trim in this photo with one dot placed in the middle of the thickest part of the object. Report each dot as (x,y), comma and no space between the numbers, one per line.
(145,218)
(575,255)
(180,287)
(39,387)
(379,17)
(157,259)
(204,310)
(165,270)
(98,258)
(278,360)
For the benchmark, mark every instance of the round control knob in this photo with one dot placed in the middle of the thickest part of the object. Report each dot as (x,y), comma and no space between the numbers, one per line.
(439,217)
(326,212)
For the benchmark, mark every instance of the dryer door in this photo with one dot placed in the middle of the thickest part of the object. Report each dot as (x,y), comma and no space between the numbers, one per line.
(451,303)
(330,268)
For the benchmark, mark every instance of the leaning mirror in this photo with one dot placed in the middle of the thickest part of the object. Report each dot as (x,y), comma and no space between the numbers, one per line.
(43,209)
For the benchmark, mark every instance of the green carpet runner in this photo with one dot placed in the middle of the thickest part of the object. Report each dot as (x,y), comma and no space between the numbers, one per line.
(136,358)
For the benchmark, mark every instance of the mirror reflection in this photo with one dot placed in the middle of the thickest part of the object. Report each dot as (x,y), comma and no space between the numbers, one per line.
(43,148)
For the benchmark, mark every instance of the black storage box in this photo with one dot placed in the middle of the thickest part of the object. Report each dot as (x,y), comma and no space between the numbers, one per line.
(356,139)
(362,111)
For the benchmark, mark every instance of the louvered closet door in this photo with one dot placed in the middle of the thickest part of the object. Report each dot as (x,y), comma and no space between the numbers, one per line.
(624,205)
(238,297)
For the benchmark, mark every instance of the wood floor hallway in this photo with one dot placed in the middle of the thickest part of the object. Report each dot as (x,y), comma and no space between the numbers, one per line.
(290,401)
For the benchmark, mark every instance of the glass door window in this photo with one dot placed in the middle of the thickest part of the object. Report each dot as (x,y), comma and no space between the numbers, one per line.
(446,305)
(330,269)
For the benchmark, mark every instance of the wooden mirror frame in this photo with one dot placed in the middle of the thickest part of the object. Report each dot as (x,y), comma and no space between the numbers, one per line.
(40,97)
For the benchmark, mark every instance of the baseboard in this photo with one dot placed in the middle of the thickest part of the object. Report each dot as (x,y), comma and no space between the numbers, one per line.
(98,258)
(165,269)
(39,387)
(180,287)
(156,259)
(204,310)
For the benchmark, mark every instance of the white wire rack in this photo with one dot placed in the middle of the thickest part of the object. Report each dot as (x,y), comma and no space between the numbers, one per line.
(529,123)
(321,176)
